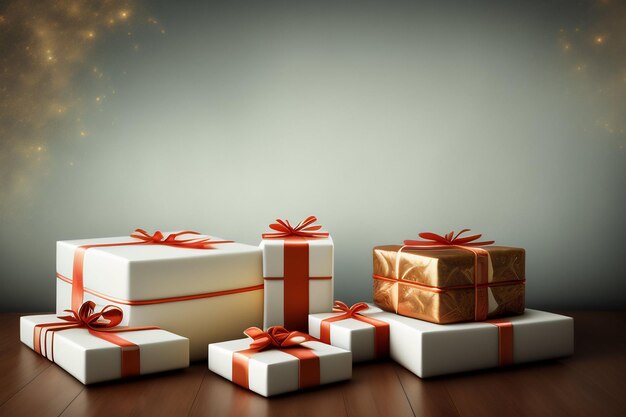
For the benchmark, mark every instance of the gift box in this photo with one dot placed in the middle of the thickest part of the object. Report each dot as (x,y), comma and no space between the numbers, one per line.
(92,348)
(182,282)
(279,361)
(449,279)
(353,329)
(429,349)
(298,273)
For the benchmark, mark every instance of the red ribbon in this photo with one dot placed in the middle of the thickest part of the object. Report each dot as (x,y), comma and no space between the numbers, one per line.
(481,261)
(102,324)
(381,329)
(277,337)
(303,229)
(173,239)
(296,268)
(433,239)
(505,341)
(78,288)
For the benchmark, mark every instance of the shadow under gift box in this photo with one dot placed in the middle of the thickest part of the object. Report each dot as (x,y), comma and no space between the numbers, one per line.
(221,288)
(437,285)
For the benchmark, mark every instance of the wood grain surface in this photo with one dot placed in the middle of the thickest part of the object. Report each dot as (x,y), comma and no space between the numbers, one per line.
(591,383)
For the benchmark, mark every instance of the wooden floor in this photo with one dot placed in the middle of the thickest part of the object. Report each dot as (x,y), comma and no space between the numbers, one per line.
(592,383)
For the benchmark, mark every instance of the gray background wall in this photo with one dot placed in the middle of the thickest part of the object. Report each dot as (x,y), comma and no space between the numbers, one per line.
(382,119)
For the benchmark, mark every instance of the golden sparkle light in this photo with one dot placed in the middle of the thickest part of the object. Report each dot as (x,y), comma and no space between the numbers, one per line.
(596,52)
(47,48)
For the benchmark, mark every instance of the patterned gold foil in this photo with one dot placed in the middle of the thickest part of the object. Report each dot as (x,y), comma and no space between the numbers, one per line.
(442,269)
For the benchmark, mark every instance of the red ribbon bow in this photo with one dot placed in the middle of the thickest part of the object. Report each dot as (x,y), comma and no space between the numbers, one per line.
(110,316)
(284,229)
(145,238)
(276,337)
(469,243)
(381,329)
(350,311)
(172,239)
(102,324)
(433,239)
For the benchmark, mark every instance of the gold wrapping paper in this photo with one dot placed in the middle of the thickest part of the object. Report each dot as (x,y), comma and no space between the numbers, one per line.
(438,274)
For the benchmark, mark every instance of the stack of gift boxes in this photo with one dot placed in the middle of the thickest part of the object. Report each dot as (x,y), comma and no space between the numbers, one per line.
(152,302)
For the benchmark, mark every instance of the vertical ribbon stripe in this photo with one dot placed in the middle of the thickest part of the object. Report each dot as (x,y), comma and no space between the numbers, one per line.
(78,286)
(296,268)
(240,367)
(308,366)
(325,328)
(381,335)
(481,279)
(129,352)
(381,329)
(296,283)
(505,341)
(279,338)
(42,330)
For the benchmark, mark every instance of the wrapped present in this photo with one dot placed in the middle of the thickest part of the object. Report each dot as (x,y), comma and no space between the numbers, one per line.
(279,361)
(449,279)
(429,349)
(167,280)
(298,273)
(93,348)
(353,329)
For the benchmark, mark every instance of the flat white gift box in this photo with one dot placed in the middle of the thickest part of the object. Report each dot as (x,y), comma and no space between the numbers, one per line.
(321,296)
(91,359)
(134,276)
(429,349)
(351,334)
(273,372)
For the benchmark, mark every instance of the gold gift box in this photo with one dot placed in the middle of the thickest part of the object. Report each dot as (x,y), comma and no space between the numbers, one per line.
(437,285)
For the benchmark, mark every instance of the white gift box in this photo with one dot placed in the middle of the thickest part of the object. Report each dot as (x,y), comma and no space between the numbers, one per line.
(206,295)
(429,349)
(272,372)
(91,359)
(320,282)
(357,336)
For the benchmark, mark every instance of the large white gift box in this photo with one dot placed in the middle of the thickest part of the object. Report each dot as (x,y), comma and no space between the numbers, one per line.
(429,349)
(198,286)
(353,328)
(279,370)
(92,359)
(298,273)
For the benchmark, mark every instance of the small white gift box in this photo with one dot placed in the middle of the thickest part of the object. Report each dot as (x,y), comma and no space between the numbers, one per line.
(354,329)
(298,273)
(279,361)
(100,355)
